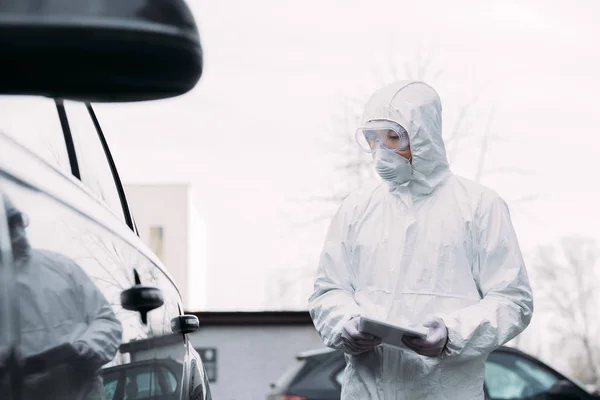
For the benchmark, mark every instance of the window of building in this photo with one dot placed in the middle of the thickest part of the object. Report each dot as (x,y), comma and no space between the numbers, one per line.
(157,241)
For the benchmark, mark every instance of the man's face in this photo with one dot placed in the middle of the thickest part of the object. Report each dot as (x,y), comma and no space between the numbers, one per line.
(391,140)
(386,135)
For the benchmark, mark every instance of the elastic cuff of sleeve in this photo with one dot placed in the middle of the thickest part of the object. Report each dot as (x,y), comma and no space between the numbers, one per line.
(337,342)
(450,349)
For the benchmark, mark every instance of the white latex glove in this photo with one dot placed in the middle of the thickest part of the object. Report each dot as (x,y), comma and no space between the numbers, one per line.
(435,342)
(355,342)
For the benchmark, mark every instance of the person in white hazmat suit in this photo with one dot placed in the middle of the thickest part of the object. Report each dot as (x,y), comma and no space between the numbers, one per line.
(68,330)
(425,247)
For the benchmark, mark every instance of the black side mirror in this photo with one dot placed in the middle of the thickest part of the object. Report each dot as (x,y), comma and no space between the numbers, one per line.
(100,51)
(565,390)
(185,324)
(141,298)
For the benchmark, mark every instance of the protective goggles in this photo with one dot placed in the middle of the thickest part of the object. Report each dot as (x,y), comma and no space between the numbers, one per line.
(383,134)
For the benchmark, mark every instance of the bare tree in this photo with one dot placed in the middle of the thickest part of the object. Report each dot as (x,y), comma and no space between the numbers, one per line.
(567,277)
(288,288)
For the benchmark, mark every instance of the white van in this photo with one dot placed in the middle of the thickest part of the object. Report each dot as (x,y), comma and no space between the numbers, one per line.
(87,311)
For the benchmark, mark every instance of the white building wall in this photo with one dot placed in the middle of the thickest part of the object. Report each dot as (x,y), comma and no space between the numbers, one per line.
(196,286)
(250,358)
(169,206)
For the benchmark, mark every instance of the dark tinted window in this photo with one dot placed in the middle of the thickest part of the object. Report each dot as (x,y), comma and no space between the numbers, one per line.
(509,376)
(290,374)
(145,381)
(34,123)
(153,380)
(95,170)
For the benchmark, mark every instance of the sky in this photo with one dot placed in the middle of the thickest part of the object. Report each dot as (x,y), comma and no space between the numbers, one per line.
(251,136)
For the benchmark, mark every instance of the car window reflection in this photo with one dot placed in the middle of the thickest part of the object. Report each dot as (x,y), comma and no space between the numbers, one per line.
(74,331)
(68,328)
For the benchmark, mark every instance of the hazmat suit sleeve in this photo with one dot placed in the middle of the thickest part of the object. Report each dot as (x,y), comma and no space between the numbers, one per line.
(332,303)
(99,343)
(499,271)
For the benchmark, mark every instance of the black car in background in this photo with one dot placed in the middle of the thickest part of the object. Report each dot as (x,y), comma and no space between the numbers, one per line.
(510,374)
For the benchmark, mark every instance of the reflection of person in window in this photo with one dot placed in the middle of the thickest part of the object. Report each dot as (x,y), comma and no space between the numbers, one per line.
(68,328)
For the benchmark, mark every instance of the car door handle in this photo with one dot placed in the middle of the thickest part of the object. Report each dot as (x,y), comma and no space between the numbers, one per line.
(183,324)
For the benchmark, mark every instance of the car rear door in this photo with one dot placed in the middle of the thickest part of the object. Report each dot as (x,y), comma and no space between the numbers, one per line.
(99,174)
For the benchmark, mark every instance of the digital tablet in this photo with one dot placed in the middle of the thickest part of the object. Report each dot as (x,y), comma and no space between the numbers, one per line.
(390,335)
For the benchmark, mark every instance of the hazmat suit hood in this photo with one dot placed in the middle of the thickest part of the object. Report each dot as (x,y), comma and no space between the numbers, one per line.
(416,106)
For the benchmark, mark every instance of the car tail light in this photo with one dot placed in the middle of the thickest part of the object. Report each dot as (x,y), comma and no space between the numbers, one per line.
(288,397)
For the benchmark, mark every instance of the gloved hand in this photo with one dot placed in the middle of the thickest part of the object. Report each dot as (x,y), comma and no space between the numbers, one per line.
(355,342)
(434,343)
(84,357)
(49,358)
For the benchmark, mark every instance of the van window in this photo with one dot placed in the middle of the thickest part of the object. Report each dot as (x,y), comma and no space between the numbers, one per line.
(34,123)
(95,170)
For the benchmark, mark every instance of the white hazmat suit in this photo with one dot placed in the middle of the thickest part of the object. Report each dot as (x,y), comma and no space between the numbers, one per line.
(438,246)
